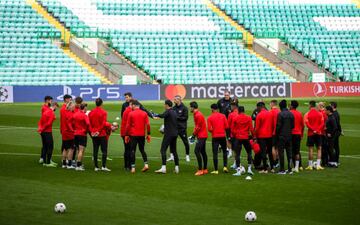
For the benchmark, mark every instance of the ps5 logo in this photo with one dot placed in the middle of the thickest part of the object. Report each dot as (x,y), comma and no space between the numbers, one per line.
(89,93)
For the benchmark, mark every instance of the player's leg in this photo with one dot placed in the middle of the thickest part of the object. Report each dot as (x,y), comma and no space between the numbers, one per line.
(288,147)
(262,144)
(274,151)
(141,143)
(337,148)
(247,147)
(281,146)
(324,151)
(310,144)
(215,150)
(184,138)
(319,151)
(96,145)
(236,147)
(63,154)
(223,144)
(104,151)
(198,155)
(296,139)
(49,146)
(173,149)
(133,145)
(269,143)
(43,149)
(164,145)
(331,152)
(70,150)
(127,153)
(204,156)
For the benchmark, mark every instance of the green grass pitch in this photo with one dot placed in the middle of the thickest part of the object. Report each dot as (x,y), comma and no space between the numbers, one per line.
(28,191)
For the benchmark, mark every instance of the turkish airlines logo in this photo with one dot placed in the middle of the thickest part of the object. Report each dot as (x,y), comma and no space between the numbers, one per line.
(319,89)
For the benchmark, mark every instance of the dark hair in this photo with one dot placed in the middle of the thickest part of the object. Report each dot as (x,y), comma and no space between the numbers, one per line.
(260,104)
(47,98)
(98,102)
(274,101)
(83,106)
(294,104)
(333,104)
(312,103)
(168,102)
(214,106)
(67,96)
(283,104)
(128,94)
(194,105)
(78,100)
(329,108)
(241,109)
(135,102)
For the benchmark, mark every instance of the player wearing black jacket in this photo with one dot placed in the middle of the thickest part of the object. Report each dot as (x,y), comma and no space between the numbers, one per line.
(224,104)
(284,126)
(331,130)
(182,118)
(339,131)
(170,135)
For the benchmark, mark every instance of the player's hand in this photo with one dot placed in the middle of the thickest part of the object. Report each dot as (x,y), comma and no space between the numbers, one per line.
(95,134)
(148,139)
(39,131)
(329,135)
(127,139)
(156,118)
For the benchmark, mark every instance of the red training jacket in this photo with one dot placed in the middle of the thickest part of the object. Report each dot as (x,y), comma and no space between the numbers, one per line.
(243,125)
(137,122)
(298,123)
(274,112)
(46,121)
(314,122)
(68,131)
(217,125)
(81,123)
(264,124)
(323,113)
(231,118)
(200,125)
(124,121)
(97,119)
(62,117)
(44,108)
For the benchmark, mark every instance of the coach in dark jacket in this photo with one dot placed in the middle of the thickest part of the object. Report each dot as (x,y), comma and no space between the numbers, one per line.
(182,118)
(331,131)
(339,131)
(284,126)
(170,135)
(224,104)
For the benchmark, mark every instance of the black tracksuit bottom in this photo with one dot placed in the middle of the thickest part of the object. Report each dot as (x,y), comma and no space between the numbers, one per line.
(134,141)
(266,148)
(238,143)
(127,153)
(216,142)
(99,142)
(200,153)
(166,142)
(285,144)
(47,146)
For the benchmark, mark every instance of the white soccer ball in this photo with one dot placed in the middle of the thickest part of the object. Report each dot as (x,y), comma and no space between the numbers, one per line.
(314,165)
(4,94)
(162,128)
(60,208)
(248,178)
(117,118)
(250,216)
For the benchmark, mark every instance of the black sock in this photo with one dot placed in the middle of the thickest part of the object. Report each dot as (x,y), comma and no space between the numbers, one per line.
(69,162)
(64,162)
(78,163)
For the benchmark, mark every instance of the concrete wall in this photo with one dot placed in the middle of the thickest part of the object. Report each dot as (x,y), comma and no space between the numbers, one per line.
(111,65)
(292,63)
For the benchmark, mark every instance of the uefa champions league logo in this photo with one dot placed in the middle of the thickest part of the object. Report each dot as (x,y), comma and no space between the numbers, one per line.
(4,94)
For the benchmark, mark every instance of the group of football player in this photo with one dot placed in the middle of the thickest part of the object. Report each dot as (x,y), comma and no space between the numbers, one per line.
(266,135)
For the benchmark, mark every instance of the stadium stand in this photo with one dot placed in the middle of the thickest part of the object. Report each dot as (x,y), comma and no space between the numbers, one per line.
(27,58)
(327,32)
(175,41)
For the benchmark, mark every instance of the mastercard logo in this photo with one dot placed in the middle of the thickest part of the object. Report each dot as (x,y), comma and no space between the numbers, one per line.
(172,90)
